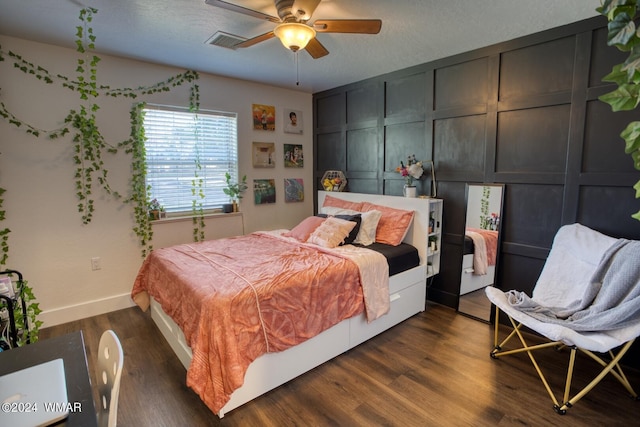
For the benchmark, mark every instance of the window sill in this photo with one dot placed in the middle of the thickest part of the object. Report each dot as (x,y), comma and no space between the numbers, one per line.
(182,218)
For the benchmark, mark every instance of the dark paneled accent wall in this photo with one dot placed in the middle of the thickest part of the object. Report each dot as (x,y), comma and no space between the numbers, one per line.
(524,113)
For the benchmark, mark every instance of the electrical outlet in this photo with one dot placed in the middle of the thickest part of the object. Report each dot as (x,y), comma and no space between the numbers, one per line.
(96,263)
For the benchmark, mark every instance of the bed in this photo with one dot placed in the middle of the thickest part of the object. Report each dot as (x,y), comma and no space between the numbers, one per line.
(355,315)
(478,259)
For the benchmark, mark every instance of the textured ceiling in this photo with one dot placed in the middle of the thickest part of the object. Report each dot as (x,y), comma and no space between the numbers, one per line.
(175,32)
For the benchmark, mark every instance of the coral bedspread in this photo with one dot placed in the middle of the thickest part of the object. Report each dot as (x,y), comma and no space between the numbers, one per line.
(238,298)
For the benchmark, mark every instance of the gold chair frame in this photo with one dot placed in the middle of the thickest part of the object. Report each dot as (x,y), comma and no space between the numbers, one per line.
(613,367)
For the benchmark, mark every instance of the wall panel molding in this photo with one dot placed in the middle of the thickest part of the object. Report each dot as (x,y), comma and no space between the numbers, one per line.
(524,113)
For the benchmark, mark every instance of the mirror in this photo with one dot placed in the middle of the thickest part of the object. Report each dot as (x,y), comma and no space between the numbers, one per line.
(480,250)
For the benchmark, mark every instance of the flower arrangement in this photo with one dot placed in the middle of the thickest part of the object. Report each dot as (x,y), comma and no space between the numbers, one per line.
(412,170)
(490,222)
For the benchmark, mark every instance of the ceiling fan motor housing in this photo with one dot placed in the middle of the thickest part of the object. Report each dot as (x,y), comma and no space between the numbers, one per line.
(284,8)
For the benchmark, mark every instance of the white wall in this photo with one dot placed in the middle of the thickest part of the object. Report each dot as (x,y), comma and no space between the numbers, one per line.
(48,242)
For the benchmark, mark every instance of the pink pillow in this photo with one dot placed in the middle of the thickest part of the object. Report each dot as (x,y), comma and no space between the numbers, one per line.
(303,230)
(331,232)
(393,224)
(339,203)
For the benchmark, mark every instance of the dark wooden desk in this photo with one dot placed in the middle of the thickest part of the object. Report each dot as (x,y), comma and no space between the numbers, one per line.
(70,348)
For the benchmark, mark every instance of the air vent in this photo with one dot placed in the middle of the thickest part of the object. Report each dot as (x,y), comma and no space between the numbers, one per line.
(223,39)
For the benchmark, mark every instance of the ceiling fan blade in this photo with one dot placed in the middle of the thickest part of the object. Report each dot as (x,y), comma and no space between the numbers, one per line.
(316,49)
(303,9)
(255,40)
(245,11)
(360,26)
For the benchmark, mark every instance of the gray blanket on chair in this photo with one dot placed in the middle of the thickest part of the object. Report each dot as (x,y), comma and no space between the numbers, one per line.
(612,300)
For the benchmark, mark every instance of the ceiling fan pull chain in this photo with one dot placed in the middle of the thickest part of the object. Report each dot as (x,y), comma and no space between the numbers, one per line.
(295,58)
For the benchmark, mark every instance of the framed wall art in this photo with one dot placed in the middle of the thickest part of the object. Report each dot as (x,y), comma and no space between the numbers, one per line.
(293,190)
(264,117)
(293,122)
(264,191)
(293,156)
(263,155)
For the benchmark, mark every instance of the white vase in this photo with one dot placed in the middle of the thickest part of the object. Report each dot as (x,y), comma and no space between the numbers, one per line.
(410,191)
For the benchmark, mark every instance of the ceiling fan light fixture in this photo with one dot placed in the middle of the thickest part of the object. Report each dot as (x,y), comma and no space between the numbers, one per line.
(293,35)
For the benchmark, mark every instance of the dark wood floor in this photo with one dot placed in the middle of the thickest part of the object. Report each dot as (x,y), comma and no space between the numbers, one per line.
(432,370)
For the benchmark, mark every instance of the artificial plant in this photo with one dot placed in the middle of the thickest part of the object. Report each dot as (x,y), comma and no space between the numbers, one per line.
(25,310)
(31,318)
(25,291)
(140,191)
(89,143)
(484,208)
(197,183)
(4,234)
(235,190)
(623,34)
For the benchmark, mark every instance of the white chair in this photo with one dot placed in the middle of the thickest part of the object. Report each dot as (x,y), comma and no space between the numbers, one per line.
(110,362)
(587,298)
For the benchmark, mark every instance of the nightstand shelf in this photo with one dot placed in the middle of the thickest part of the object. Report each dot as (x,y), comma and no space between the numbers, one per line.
(434,240)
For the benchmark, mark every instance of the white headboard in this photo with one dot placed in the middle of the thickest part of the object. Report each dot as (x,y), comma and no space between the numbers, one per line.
(418,233)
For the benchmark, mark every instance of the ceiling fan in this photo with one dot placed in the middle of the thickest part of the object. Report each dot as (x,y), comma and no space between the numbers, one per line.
(293,30)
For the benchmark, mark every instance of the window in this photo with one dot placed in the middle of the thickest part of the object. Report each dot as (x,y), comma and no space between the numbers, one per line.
(175,139)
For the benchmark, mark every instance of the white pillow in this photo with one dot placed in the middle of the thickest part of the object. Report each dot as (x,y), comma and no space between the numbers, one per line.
(368,226)
(332,211)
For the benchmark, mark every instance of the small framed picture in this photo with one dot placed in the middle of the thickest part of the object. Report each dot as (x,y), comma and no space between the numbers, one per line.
(264,155)
(293,190)
(264,117)
(293,156)
(264,191)
(293,122)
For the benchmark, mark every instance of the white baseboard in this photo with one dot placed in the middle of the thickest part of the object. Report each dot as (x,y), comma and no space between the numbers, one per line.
(70,313)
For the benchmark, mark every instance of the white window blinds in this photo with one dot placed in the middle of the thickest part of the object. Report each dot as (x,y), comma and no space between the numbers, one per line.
(175,139)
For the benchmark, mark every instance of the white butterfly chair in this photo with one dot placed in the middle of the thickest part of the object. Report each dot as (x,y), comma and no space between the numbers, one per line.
(110,362)
(587,298)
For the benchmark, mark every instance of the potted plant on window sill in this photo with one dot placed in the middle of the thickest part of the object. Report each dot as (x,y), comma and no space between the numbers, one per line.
(234,191)
(156,211)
